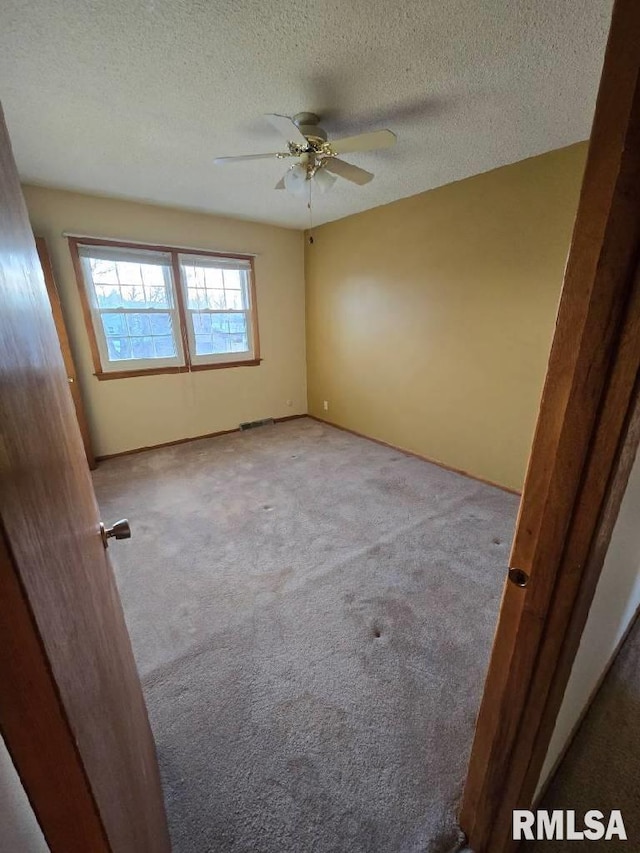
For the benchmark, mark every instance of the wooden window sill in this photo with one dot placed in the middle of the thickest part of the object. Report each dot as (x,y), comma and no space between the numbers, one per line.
(253,362)
(157,371)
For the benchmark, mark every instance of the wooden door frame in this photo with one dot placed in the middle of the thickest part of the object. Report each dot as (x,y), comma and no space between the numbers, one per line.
(65,346)
(583,449)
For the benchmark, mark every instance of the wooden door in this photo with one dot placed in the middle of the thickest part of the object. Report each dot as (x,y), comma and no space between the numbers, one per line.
(585,442)
(65,347)
(71,707)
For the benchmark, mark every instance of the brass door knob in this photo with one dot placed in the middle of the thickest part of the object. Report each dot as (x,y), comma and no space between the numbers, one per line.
(120,530)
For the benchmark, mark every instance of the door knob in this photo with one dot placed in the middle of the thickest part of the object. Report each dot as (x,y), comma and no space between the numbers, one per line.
(120,530)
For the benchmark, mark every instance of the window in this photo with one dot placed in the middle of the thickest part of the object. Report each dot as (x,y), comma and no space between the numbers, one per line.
(218,307)
(153,309)
(133,307)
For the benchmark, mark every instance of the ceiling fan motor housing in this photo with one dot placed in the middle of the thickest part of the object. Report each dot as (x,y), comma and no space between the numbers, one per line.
(309,125)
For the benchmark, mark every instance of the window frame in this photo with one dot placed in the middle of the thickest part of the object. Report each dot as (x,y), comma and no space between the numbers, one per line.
(213,359)
(191,361)
(109,365)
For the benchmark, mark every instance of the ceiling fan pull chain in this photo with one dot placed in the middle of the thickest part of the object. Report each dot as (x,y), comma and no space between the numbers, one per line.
(310,216)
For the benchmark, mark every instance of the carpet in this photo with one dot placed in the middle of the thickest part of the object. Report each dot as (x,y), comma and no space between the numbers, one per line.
(601,769)
(312,616)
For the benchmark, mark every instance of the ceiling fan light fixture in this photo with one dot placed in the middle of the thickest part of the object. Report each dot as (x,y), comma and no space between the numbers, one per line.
(324,180)
(295,180)
(319,161)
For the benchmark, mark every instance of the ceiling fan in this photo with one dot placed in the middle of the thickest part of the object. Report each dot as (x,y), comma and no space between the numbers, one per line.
(318,160)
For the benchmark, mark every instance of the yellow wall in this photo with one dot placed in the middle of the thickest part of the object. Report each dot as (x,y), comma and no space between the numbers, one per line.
(142,411)
(429,320)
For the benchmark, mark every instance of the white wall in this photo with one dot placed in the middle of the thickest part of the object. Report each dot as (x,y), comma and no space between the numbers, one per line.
(19,830)
(616,600)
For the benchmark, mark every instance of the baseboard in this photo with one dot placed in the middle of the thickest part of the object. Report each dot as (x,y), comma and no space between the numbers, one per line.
(442,465)
(177,441)
(420,456)
(585,710)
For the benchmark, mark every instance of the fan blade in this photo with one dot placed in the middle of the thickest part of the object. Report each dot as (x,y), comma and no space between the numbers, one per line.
(280,184)
(364,142)
(287,127)
(220,161)
(346,170)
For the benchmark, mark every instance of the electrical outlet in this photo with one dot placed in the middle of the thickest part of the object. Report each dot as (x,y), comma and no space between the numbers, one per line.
(325,405)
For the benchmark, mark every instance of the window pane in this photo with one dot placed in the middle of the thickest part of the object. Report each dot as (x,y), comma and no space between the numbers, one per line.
(131,285)
(114,325)
(133,296)
(152,276)
(160,324)
(194,275)
(229,323)
(164,347)
(119,348)
(138,324)
(103,272)
(202,324)
(109,296)
(129,273)
(196,298)
(228,334)
(132,336)
(142,348)
(157,296)
(233,279)
(204,345)
(214,287)
(213,278)
(216,299)
(234,300)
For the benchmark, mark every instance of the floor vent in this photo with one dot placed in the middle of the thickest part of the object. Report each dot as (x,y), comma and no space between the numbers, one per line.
(254,424)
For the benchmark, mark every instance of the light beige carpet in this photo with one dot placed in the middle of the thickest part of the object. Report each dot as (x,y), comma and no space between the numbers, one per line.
(312,616)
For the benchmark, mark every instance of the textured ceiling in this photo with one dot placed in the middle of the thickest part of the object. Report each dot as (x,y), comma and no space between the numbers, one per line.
(135,98)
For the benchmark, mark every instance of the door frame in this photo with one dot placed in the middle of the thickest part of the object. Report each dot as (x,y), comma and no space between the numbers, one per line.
(65,346)
(583,449)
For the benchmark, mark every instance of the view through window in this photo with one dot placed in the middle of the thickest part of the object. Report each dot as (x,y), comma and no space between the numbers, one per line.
(166,310)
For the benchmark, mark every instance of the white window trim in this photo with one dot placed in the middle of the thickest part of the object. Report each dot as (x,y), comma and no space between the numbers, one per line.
(108,365)
(220,263)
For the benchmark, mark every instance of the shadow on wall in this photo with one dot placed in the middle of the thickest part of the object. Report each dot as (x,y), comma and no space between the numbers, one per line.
(602,767)
(615,603)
